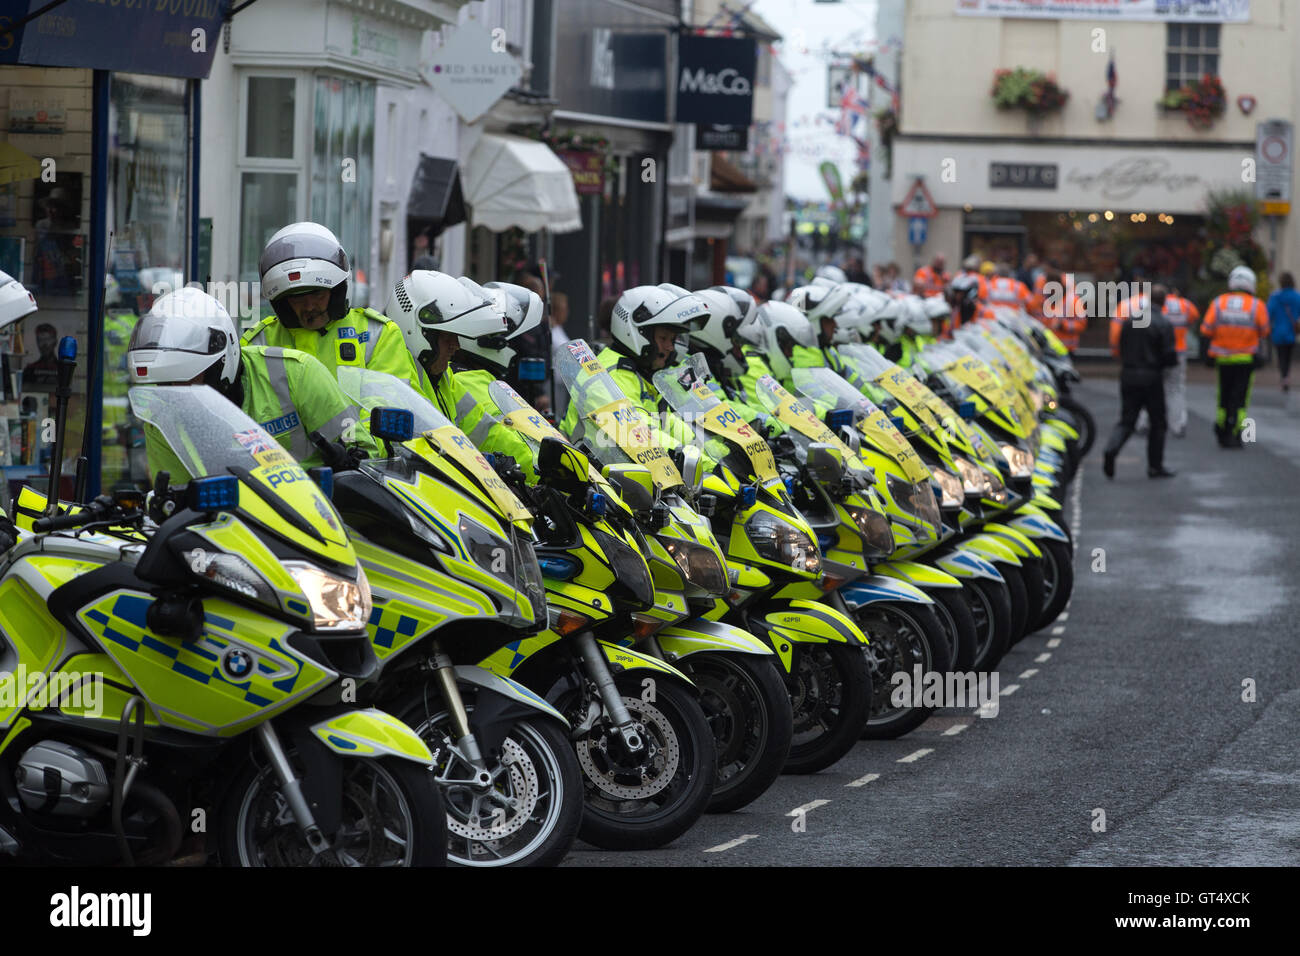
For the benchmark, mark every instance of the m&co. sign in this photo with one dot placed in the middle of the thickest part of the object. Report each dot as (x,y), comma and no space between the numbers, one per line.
(588,169)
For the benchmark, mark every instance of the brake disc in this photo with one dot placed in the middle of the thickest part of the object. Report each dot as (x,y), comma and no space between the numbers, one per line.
(485,819)
(656,771)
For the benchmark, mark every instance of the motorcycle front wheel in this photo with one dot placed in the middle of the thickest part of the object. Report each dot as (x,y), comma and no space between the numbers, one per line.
(748,710)
(989,602)
(529,816)
(830,694)
(392,815)
(646,799)
(901,636)
(955,616)
(1058,579)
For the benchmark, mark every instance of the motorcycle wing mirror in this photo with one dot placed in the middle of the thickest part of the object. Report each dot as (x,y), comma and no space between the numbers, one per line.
(634,484)
(392,424)
(692,467)
(562,465)
(967,411)
(826,462)
(213,494)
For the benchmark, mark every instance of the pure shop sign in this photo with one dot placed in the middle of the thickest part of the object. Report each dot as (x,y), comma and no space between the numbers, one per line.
(715,80)
(472,70)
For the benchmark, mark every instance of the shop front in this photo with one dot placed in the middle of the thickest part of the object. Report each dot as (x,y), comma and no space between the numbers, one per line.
(98,202)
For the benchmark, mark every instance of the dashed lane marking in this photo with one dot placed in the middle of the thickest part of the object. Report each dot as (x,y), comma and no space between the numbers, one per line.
(955,729)
(1054,642)
(1009,690)
(1029,673)
(914,757)
(1045,656)
(863,781)
(732,844)
(1059,629)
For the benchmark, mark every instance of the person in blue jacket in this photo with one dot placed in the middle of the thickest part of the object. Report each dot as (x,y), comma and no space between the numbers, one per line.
(1283,318)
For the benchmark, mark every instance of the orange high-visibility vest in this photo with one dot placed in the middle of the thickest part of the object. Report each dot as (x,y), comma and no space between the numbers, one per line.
(1181,314)
(1004,290)
(1235,323)
(927,282)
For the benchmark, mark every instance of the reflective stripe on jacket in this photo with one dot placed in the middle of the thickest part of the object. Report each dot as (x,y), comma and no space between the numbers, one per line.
(1234,325)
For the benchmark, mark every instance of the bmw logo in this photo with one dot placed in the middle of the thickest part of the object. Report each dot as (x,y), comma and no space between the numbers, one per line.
(237,663)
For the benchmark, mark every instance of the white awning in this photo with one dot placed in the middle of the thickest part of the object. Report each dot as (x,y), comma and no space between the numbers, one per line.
(512,181)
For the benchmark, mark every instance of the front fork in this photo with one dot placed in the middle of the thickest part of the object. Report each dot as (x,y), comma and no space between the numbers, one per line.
(291,787)
(593,661)
(445,673)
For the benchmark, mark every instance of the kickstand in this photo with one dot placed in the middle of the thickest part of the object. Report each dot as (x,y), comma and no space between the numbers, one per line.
(122,780)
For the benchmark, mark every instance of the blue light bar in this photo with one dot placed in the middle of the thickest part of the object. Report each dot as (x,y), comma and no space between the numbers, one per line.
(532,370)
(392,424)
(558,568)
(748,496)
(598,504)
(214,494)
(966,410)
(67,349)
(839,419)
(324,478)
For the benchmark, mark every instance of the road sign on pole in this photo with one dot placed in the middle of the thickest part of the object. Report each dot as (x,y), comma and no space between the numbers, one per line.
(918,202)
(917,229)
(1274,145)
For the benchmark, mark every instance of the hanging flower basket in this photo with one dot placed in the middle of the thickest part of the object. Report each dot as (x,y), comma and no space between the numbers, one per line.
(1203,102)
(1036,93)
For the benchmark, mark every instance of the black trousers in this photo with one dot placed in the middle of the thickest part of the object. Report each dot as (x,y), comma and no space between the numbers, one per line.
(1284,358)
(1136,392)
(1235,381)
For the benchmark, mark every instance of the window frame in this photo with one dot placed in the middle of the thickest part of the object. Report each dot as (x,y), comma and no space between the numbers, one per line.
(1182,49)
(297,164)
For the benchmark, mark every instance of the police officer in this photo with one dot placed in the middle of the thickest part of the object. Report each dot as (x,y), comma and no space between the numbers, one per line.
(438,314)
(15,303)
(305,275)
(1235,325)
(1146,349)
(188,338)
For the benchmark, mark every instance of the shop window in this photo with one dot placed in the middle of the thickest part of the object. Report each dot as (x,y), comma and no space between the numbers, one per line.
(342,172)
(1191,51)
(45,214)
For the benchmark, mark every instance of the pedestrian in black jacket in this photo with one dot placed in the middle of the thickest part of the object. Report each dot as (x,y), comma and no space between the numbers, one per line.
(1146,348)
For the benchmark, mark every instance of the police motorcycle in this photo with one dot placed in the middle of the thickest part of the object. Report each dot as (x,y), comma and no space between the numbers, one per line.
(970,458)
(1056,357)
(741,694)
(448,551)
(189,656)
(829,489)
(1040,584)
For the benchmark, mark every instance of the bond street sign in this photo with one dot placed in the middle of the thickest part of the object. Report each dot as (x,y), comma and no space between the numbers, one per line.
(472,70)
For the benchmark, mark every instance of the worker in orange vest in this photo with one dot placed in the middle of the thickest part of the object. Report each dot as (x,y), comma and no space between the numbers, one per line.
(932,279)
(1182,314)
(1234,328)
(1060,309)
(970,266)
(1006,290)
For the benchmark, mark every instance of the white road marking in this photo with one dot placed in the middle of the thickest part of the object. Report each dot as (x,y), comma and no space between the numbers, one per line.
(1009,690)
(955,729)
(807,807)
(1063,616)
(1054,642)
(1059,629)
(732,844)
(1029,673)
(1045,656)
(988,710)
(913,757)
(863,781)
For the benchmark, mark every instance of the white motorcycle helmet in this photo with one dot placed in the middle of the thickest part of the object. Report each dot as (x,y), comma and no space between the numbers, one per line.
(522,310)
(915,319)
(15,300)
(777,326)
(936,309)
(644,308)
(1242,279)
(304,257)
(887,321)
(834,273)
(187,333)
(821,302)
(425,303)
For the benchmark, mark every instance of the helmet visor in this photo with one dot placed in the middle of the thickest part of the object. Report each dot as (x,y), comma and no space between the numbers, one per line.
(165,332)
(302,245)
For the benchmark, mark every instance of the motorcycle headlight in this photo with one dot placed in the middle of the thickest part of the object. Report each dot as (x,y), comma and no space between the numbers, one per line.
(337,604)
(951,486)
(700,564)
(974,480)
(875,529)
(231,572)
(779,541)
(1021,461)
(916,499)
